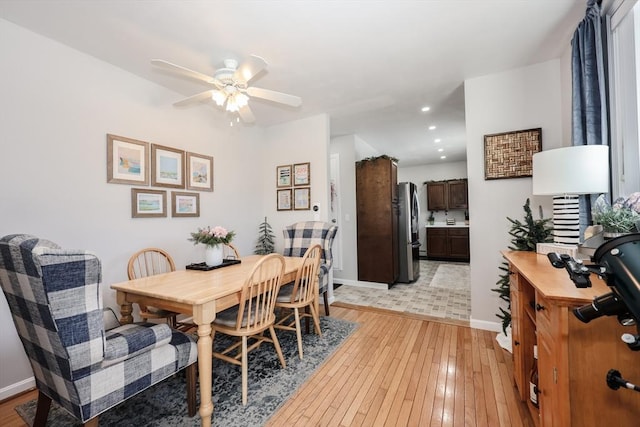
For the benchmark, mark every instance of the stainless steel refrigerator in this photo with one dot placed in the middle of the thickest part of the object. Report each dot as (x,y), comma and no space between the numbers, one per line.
(408,238)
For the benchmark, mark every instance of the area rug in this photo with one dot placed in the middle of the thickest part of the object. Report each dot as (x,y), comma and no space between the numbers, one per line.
(269,386)
(451,276)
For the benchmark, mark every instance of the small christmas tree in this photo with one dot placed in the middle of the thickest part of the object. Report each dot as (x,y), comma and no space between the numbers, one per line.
(266,239)
(525,238)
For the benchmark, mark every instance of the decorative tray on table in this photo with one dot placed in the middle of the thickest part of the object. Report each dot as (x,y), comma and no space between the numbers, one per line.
(204,267)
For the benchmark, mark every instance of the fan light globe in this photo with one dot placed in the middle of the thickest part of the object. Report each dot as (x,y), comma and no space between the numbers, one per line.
(241,100)
(218,97)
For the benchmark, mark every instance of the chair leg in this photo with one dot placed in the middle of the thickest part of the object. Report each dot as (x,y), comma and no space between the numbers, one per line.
(42,411)
(276,344)
(298,332)
(172,321)
(326,303)
(93,422)
(316,320)
(307,321)
(190,373)
(244,370)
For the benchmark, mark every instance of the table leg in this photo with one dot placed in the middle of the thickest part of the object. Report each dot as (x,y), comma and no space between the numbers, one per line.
(204,367)
(203,315)
(125,308)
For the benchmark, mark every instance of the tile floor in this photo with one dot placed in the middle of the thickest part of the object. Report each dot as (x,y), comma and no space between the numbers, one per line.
(420,297)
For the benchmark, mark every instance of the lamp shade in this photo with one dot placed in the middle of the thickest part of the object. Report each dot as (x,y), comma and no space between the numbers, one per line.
(579,169)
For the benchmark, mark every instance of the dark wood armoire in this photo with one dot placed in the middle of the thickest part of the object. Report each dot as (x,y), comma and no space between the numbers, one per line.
(377,216)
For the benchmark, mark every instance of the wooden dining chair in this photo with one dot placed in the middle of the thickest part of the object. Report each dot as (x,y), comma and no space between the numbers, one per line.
(303,293)
(149,262)
(230,252)
(252,316)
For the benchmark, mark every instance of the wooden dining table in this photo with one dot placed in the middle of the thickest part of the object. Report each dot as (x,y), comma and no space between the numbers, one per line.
(200,294)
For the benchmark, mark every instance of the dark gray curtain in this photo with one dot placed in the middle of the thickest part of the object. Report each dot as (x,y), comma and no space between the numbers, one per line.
(589,116)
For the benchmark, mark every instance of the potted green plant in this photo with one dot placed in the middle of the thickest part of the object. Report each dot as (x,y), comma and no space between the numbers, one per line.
(525,237)
(615,220)
(266,239)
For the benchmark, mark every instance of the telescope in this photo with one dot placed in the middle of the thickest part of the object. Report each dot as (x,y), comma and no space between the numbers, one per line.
(617,262)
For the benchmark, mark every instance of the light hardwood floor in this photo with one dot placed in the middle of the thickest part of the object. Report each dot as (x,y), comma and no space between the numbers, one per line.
(397,370)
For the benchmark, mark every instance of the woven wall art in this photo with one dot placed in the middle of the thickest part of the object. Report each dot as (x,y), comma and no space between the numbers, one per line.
(509,154)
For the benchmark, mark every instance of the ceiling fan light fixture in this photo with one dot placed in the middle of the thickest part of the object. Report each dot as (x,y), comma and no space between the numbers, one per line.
(230,86)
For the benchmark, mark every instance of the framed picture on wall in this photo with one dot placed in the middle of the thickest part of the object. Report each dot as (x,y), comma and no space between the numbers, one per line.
(510,154)
(301,198)
(199,172)
(283,176)
(167,167)
(148,203)
(301,174)
(127,161)
(185,204)
(284,199)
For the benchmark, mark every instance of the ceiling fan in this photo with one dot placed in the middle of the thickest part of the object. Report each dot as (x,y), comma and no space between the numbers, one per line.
(231,86)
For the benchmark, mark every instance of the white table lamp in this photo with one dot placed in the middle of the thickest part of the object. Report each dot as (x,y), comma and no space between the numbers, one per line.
(566,173)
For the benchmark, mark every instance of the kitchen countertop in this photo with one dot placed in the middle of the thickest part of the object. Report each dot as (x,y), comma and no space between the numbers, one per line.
(458,224)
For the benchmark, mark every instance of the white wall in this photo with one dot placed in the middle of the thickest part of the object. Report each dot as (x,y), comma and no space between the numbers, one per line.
(522,98)
(58,105)
(434,172)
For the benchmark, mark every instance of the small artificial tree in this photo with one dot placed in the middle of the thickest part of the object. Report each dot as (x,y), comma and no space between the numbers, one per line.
(526,235)
(266,239)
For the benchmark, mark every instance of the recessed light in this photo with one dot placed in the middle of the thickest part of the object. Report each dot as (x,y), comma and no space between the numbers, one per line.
(425,109)
(443,157)
(440,150)
(437,140)
(432,127)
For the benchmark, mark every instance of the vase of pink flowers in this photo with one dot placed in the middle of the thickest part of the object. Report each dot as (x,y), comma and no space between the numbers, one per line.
(213,238)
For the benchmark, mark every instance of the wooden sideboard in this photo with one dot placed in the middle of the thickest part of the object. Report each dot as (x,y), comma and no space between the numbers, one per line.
(573,357)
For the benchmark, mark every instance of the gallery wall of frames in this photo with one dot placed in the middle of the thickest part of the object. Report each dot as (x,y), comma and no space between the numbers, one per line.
(293,186)
(143,165)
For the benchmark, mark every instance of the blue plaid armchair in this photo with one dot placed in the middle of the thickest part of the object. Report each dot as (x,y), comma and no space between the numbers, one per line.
(56,304)
(300,236)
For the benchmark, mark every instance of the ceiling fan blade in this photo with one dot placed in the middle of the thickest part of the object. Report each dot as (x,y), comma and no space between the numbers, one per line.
(173,67)
(272,95)
(246,114)
(195,98)
(249,68)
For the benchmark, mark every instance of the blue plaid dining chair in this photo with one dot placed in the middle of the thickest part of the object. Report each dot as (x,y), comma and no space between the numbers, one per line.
(56,304)
(301,236)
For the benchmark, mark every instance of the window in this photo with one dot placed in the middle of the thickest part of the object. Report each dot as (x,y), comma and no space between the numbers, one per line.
(624,74)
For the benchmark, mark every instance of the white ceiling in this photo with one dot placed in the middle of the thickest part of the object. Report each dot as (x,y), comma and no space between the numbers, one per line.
(371,65)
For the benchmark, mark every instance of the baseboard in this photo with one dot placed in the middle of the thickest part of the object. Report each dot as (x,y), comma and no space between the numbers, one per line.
(485,326)
(17,388)
(362,284)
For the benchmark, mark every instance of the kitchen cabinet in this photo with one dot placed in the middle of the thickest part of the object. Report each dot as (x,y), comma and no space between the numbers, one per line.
(448,243)
(447,195)
(573,357)
(437,196)
(377,220)
(457,194)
